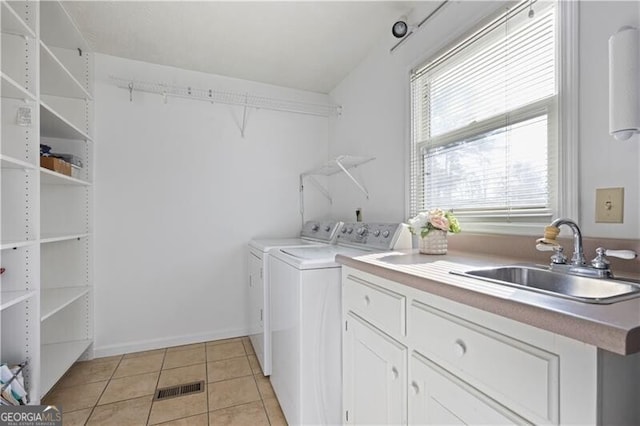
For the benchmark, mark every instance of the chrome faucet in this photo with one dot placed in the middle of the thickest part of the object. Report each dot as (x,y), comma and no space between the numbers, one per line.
(578,252)
(599,266)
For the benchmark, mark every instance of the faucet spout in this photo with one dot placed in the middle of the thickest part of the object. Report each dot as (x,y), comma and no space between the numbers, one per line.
(578,258)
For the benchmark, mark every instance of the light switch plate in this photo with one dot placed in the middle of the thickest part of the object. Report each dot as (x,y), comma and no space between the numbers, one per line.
(609,205)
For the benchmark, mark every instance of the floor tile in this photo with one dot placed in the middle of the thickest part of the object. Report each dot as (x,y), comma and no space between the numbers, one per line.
(76,418)
(129,387)
(145,353)
(183,358)
(139,365)
(177,408)
(274,412)
(88,372)
(248,347)
(223,341)
(225,351)
(185,347)
(228,369)
(199,420)
(107,358)
(232,392)
(177,376)
(264,387)
(130,412)
(252,413)
(254,364)
(75,397)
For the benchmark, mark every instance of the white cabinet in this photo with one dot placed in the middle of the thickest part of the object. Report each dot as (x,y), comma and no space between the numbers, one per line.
(46,234)
(460,365)
(375,375)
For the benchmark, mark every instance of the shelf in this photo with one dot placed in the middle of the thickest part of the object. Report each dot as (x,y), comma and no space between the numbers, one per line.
(49,177)
(13,163)
(53,300)
(54,125)
(66,36)
(13,89)
(10,298)
(56,79)
(12,23)
(56,358)
(46,239)
(9,245)
(337,165)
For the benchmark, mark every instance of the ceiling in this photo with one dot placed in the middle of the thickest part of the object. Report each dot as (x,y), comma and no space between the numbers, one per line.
(308,45)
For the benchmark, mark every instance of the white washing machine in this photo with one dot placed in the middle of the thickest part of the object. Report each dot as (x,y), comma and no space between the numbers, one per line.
(313,233)
(305,319)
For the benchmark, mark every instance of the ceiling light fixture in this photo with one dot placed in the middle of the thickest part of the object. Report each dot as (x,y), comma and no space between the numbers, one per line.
(402,31)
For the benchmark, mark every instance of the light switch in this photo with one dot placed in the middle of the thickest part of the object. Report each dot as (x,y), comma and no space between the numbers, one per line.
(609,205)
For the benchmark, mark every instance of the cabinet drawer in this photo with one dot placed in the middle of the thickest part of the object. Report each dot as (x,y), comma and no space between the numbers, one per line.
(519,375)
(381,307)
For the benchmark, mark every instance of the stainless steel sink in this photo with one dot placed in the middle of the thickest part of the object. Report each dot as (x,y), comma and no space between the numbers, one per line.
(542,280)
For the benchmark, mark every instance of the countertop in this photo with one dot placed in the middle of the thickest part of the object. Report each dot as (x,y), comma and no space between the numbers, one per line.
(613,327)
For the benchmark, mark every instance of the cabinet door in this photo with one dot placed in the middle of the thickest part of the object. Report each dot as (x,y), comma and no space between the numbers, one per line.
(438,397)
(374,375)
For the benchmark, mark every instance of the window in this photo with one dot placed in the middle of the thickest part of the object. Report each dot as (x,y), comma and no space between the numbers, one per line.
(485,124)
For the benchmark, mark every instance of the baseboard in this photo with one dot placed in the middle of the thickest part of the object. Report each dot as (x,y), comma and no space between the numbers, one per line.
(164,342)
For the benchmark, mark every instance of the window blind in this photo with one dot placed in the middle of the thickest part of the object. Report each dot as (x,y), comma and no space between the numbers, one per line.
(484,122)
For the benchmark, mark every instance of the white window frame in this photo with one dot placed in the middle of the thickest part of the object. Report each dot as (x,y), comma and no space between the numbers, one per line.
(565,191)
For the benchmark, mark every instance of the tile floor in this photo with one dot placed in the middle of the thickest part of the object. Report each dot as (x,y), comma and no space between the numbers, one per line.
(119,390)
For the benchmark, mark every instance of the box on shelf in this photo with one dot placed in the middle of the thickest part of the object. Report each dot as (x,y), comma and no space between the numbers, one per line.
(56,164)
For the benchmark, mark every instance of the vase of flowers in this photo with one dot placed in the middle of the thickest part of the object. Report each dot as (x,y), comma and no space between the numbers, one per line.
(431,228)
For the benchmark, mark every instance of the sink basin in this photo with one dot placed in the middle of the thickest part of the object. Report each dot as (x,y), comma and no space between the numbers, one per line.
(539,279)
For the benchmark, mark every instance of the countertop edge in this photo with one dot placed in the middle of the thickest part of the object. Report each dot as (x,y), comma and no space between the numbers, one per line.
(605,336)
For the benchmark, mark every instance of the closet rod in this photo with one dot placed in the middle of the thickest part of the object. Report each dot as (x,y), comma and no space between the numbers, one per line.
(226,97)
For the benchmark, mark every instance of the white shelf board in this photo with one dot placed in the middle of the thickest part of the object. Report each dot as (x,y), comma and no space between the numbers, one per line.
(11,244)
(8,162)
(45,239)
(56,79)
(12,23)
(53,300)
(52,13)
(54,125)
(332,167)
(56,358)
(10,298)
(49,177)
(13,89)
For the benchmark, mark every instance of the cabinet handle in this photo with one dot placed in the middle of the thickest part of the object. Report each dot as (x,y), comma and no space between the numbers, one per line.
(415,388)
(367,300)
(459,348)
(395,373)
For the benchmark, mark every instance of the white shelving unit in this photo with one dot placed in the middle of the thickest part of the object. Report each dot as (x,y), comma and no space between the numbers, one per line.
(46,236)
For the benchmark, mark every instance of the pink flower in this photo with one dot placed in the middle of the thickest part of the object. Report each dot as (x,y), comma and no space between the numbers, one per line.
(440,222)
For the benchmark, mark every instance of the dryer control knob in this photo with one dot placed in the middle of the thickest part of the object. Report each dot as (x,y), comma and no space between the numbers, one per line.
(315,227)
(362,230)
(327,228)
(385,234)
(344,229)
(376,233)
(350,230)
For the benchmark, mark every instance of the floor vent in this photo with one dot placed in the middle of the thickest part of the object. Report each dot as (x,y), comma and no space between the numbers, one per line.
(179,390)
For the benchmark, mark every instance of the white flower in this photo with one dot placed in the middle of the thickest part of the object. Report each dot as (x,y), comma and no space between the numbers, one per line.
(418,222)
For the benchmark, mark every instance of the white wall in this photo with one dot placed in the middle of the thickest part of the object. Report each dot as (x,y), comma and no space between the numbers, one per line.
(179,194)
(375,120)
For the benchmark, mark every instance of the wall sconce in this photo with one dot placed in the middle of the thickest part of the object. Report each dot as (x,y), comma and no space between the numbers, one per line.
(624,85)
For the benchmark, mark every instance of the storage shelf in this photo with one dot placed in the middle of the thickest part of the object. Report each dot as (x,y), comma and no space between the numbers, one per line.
(56,358)
(66,36)
(54,300)
(12,23)
(54,125)
(13,89)
(13,163)
(49,177)
(56,79)
(46,239)
(334,166)
(10,244)
(10,298)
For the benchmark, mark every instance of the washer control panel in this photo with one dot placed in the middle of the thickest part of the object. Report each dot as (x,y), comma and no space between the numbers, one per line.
(382,236)
(321,231)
